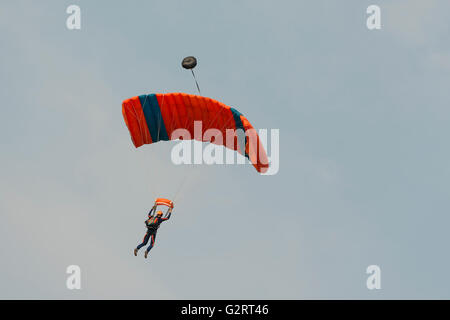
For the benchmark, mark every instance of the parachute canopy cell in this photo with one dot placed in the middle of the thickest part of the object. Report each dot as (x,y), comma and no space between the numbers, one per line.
(189,62)
(154,117)
(163,202)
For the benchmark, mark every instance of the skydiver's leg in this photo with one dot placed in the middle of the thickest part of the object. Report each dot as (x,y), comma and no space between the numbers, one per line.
(152,242)
(144,241)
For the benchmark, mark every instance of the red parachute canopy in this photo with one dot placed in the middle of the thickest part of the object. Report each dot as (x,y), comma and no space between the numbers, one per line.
(154,117)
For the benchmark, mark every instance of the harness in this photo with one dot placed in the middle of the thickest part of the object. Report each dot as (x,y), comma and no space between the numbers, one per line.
(153,223)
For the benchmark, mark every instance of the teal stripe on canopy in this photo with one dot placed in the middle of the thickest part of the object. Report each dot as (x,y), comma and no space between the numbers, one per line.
(153,117)
(239,125)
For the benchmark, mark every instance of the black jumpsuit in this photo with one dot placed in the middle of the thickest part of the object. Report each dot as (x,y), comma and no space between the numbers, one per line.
(152,224)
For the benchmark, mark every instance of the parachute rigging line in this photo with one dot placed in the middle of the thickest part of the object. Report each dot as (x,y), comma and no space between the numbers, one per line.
(198,88)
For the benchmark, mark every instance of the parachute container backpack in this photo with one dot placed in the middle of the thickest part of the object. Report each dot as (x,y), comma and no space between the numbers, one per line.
(152,118)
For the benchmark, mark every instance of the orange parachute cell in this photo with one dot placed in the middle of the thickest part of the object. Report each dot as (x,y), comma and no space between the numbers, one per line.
(163,202)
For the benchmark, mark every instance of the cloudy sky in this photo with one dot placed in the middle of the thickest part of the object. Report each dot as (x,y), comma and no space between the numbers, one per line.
(364,154)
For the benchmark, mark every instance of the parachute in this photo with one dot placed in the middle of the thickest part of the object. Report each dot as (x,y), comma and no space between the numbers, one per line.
(189,62)
(162,202)
(154,117)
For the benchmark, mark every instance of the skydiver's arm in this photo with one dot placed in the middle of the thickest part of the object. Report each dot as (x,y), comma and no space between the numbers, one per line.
(151,210)
(168,216)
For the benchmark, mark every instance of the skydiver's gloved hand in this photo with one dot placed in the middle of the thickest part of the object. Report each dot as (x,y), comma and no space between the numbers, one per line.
(170,213)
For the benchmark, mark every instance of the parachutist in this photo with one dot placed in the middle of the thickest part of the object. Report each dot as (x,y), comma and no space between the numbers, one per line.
(152,223)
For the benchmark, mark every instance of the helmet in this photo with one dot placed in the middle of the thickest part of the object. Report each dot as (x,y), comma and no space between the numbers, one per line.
(159,213)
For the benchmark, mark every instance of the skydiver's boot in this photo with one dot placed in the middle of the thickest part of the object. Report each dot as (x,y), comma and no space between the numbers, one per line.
(146,254)
(135,251)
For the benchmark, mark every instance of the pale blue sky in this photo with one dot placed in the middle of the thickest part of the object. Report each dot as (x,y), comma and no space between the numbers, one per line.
(364,157)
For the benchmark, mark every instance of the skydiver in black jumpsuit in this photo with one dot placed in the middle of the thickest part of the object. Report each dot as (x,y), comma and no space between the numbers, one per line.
(152,224)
